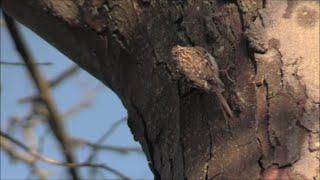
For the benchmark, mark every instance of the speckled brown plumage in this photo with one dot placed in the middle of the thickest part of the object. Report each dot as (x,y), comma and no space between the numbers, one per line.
(198,66)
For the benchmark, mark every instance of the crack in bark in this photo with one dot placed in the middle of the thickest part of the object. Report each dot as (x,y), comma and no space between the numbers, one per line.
(265,84)
(215,175)
(252,59)
(171,168)
(259,143)
(300,125)
(207,163)
(265,141)
(281,66)
(241,15)
(260,163)
(120,39)
(210,153)
(206,171)
(183,158)
(264,3)
(182,145)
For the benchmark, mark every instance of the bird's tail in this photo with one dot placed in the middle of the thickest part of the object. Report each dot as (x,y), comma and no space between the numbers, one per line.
(225,106)
(216,85)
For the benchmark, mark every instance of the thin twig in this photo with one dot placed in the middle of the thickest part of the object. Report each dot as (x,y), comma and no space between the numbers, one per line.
(84,102)
(25,158)
(5,145)
(77,108)
(23,64)
(43,158)
(54,119)
(111,129)
(53,83)
(64,75)
(104,137)
(96,150)
(117,149)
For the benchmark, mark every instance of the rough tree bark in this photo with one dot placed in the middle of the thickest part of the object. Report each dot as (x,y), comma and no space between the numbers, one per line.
(271,48)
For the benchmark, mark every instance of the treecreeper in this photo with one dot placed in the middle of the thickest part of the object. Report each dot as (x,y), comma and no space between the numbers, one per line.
(201,69)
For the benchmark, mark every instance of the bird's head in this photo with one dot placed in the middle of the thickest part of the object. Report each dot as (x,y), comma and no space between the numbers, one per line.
(177,50)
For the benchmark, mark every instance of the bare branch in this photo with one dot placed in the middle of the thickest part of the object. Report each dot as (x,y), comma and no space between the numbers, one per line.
(96,150)
(84,103)
(5,145)
(53,83)
(113,127)
(104,137)
(64,75)
(54,119)
(25,158)
(117,149)
(23,64)
(77,108)
(43,158)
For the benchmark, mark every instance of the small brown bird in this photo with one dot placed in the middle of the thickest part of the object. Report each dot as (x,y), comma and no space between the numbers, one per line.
(198,66)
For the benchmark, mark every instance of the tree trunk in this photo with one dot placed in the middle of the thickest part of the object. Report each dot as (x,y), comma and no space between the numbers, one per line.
(269,53)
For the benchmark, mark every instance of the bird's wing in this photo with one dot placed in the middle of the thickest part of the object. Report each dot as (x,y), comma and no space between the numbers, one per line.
(213,64)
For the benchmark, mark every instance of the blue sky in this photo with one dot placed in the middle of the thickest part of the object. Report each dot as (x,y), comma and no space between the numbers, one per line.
(90,123)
